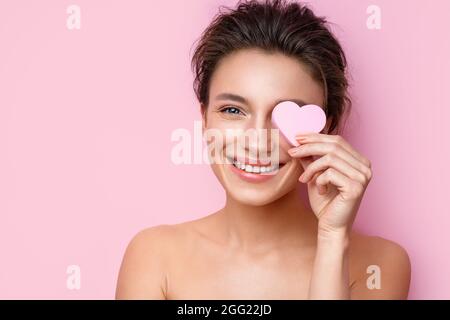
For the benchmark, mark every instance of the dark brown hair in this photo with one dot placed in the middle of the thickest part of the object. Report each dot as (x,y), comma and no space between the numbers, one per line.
(276,26)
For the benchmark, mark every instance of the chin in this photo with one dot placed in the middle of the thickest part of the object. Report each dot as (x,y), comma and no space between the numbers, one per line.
(252,197)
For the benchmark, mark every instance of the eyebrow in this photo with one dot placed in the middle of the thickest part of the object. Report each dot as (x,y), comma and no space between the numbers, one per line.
(238,98)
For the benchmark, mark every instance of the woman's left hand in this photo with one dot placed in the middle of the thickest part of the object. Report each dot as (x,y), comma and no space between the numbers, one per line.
(336,180)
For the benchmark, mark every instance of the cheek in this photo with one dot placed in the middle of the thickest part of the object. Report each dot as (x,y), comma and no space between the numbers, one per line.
(227,130)
(216,121)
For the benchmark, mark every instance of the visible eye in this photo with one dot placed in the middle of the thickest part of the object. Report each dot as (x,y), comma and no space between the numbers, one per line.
(231,110)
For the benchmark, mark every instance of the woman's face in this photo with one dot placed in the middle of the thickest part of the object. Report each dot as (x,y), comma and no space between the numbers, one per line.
(244,89)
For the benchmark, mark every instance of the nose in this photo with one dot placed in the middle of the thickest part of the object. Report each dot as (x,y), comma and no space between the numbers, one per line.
(261,138)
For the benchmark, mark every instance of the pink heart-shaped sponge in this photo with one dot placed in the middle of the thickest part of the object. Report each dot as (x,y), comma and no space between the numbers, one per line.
(291,119)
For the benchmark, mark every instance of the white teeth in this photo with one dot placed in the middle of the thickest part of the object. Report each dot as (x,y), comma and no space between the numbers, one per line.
(254,169)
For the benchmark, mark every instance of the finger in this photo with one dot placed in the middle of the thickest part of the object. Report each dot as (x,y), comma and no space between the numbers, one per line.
(313,178)
(305,162)
(332,161)
(323,148)
(335,139)
(348,188)
(322,189)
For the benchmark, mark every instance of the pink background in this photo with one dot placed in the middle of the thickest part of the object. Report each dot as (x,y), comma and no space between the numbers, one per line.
(86,118)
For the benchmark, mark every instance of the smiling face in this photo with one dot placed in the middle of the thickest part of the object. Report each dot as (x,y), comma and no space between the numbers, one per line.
(244,89)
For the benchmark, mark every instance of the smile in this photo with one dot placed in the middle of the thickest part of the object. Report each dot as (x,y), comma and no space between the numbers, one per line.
(254,173)
(255,168)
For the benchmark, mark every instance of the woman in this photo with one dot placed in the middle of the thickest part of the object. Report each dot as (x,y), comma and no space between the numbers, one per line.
(265,243)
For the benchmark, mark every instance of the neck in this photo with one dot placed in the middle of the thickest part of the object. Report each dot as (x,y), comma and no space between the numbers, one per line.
(282,222)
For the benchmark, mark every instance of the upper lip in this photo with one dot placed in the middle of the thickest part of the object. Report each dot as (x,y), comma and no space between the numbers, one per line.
(247,161)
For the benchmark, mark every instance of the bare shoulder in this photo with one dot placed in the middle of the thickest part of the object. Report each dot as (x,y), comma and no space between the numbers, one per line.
(158,237)
(379,268)
(149,256)
(142,273)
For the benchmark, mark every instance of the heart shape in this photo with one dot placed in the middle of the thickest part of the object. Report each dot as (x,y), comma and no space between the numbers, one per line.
(291,119)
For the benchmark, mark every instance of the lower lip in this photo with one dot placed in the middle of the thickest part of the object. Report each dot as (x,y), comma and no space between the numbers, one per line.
(252,177)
